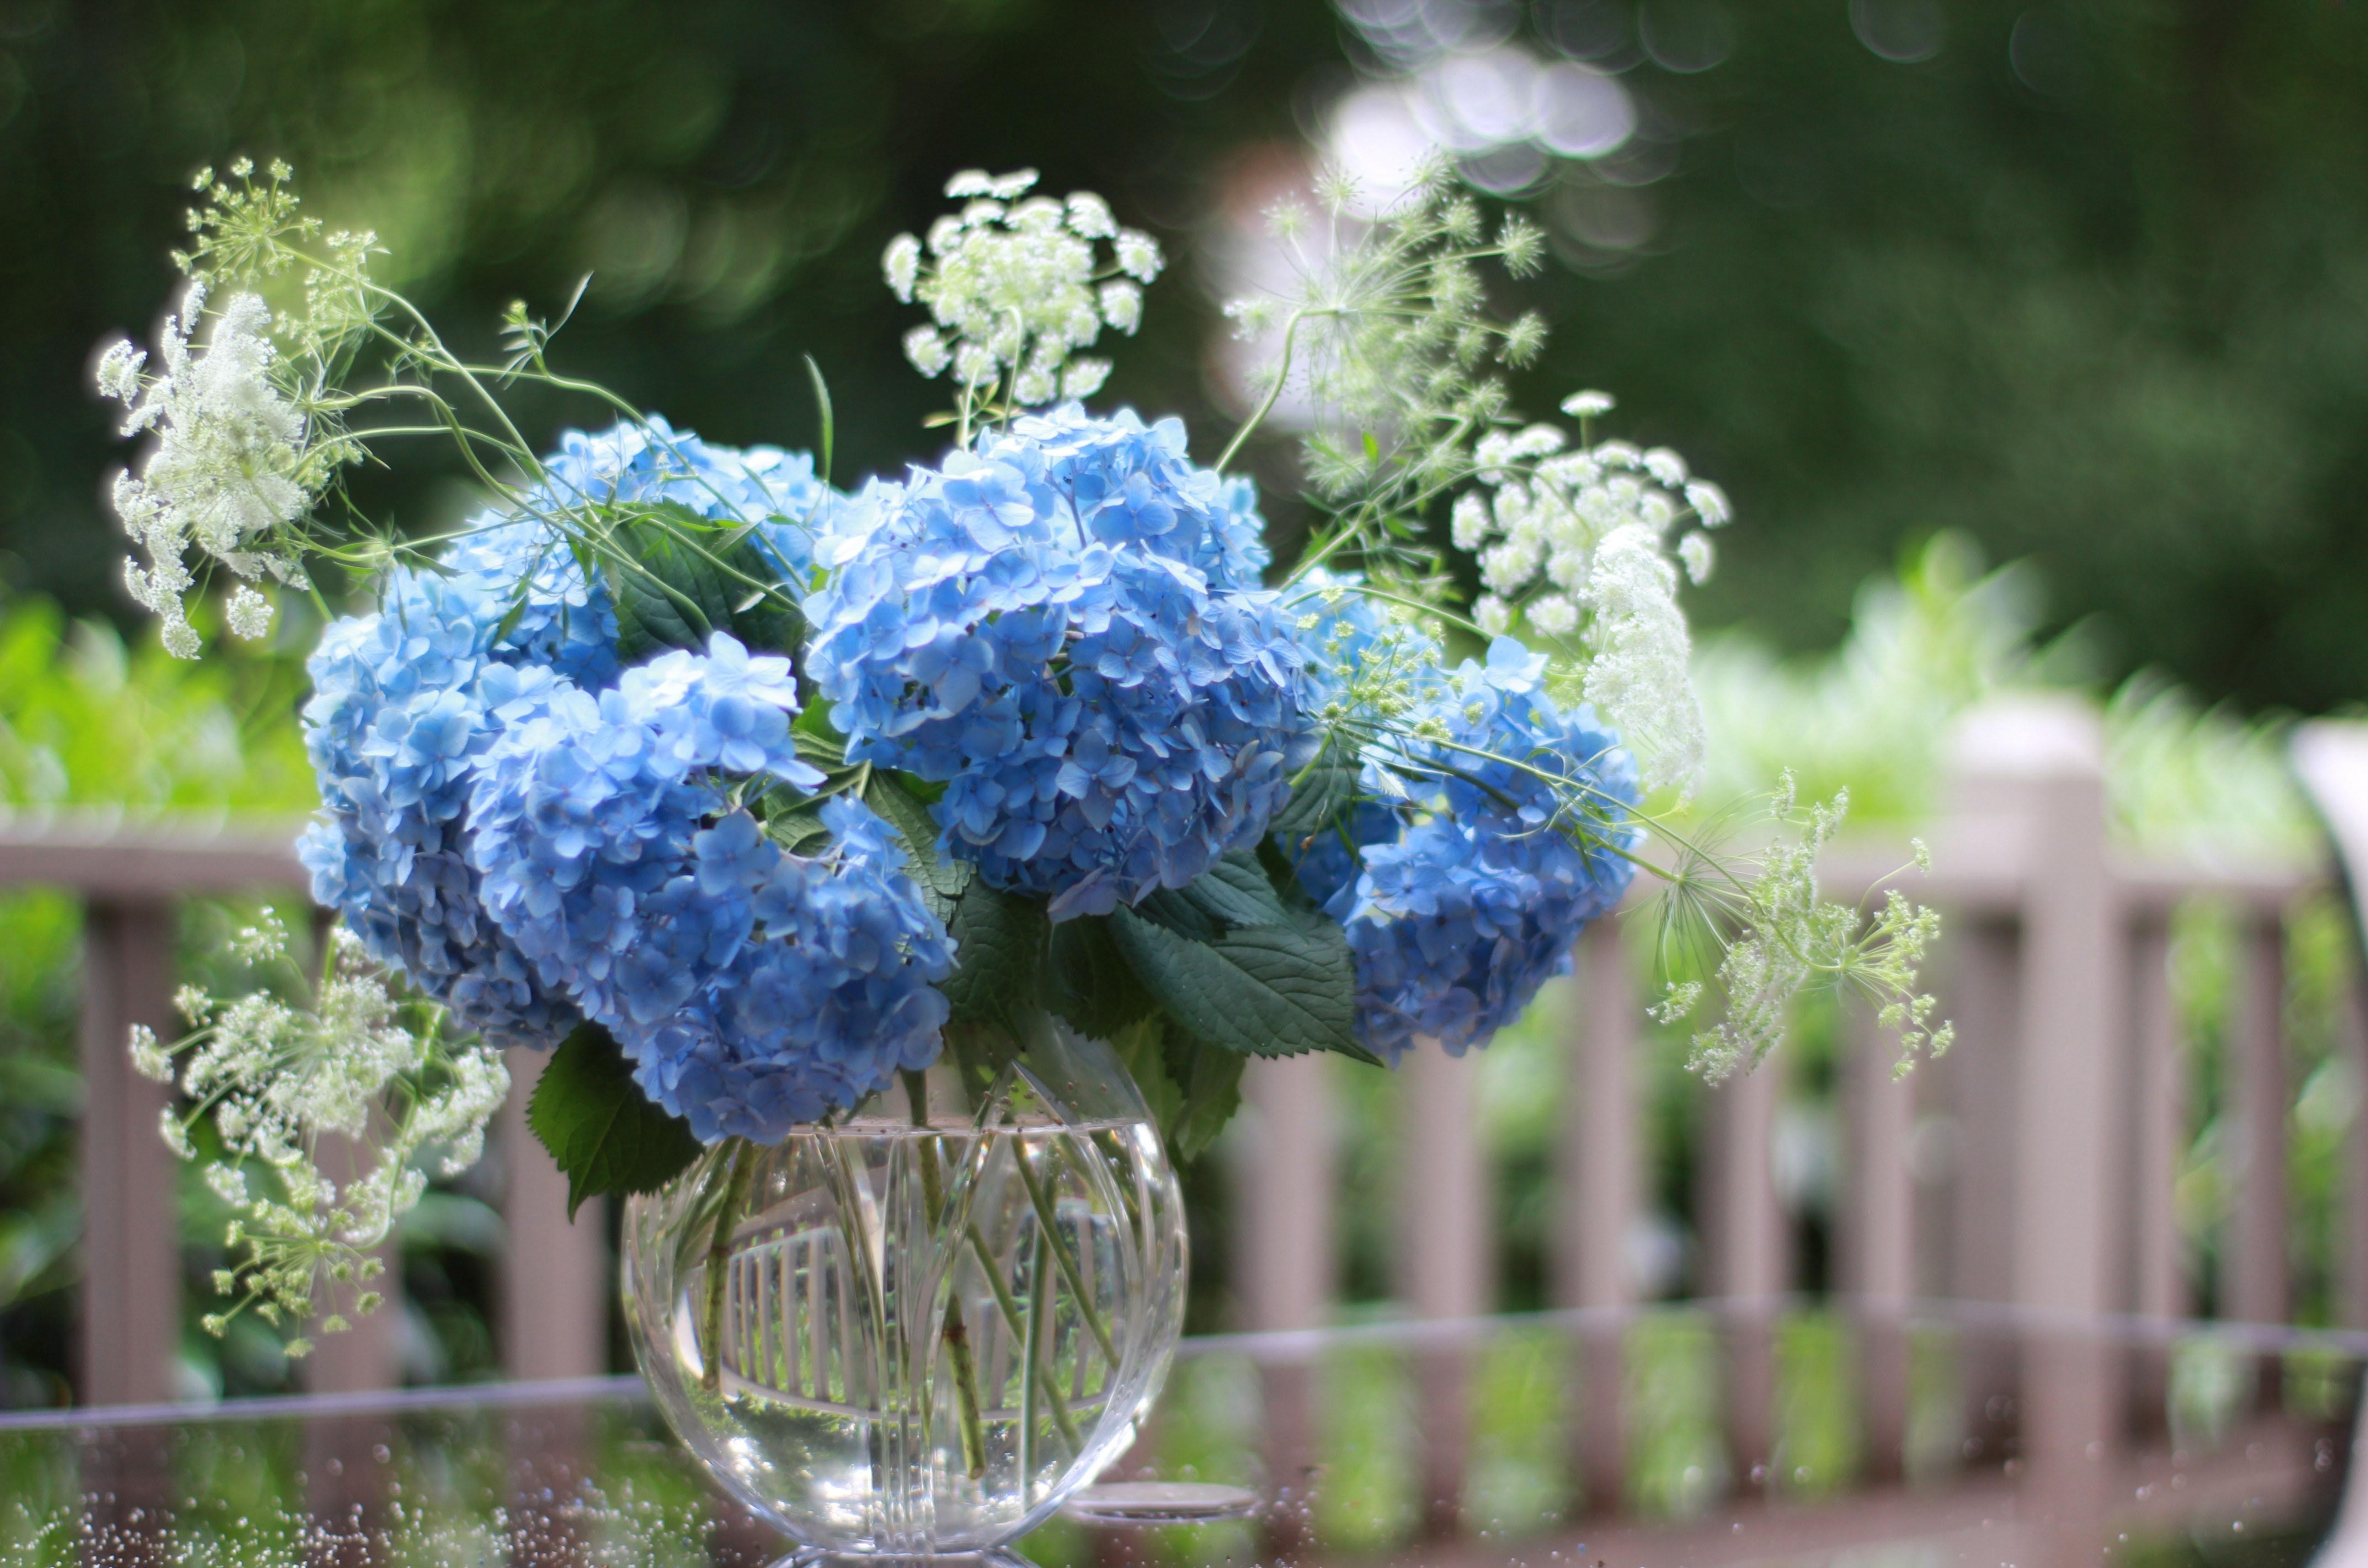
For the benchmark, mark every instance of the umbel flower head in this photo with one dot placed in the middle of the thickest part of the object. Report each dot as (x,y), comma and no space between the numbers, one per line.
(1575,544)
(229,469)
(1017,287)
(407,700)
(1478,847)
(1061,625)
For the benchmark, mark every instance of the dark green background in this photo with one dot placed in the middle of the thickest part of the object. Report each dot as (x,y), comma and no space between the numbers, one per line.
(2101,301)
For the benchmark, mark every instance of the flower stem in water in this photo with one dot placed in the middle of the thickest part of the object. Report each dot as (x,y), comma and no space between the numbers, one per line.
(1069,1269)
(957,1332)
(741,1172)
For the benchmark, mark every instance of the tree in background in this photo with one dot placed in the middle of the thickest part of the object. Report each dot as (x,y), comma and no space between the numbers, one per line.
(2083,277)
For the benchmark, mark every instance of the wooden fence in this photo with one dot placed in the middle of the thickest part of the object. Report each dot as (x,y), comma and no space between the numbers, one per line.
(2065,1091)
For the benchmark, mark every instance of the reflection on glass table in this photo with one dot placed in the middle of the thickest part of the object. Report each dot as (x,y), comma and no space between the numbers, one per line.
(1653,1439)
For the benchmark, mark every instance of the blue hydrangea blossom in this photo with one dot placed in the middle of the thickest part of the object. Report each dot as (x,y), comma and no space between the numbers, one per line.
(752,988)
(407,700)
(1456,875)
(1064,626)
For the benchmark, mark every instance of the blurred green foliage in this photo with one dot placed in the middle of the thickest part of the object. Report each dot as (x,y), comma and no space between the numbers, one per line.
(86,721)
(2087,284)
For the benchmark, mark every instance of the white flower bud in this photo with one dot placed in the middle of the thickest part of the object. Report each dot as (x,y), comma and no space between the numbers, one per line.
(148,1057)
(1084,377)
(249,614)
(1089,216)
(901,265)
(1036,384)
(1696,552)
(926,350)
(1710,504)
(1470,523)
(974,366)
(1587,404)
(1138,255)
(118,371)
(1554,615)
(1122,306)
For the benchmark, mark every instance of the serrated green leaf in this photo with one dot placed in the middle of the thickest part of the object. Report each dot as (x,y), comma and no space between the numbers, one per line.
(608,1137)
(1322,794)
(886,793)
(673,586)
(998,948)
(1267,990)
(793,830)
(1088,981)
(1234,892)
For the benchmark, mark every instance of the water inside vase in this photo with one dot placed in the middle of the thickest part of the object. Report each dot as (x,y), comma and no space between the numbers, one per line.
(922,1337)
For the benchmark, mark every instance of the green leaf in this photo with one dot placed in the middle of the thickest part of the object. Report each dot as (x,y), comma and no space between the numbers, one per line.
(887,794)
(1234,892)
(672,588)
(1142,1049)
(822,405)
(1210,1080)
(1268,990)
(793,829)
(593,1118)
(998,948)
(1088,981)
(1322,794)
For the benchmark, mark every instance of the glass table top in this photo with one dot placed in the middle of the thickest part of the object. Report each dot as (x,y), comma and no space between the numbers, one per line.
(1655,1439)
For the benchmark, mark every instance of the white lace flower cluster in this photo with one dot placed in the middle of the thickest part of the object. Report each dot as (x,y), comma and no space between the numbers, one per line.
(1787,935)
(1017,287)
(228,471)
(1576,544)
(283,1083)
(246,434)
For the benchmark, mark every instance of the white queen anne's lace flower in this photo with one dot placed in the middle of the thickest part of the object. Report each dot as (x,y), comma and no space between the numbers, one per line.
(1017,286)
(276,1078)
(1574,542)
(230,469)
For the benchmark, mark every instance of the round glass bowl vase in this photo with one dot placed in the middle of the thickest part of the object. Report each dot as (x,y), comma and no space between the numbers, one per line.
(916,1331)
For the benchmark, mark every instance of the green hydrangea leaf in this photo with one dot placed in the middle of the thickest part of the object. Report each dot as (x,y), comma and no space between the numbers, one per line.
(1088,980)
(608,1137)
(1276,986)
(998,949)
(893,798)
(1323,794)
(672,587)
(1209,1083)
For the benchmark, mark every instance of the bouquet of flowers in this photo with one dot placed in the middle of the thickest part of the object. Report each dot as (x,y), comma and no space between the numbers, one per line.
(745,794)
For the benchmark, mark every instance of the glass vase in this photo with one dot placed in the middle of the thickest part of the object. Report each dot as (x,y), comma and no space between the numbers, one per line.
(916,1331)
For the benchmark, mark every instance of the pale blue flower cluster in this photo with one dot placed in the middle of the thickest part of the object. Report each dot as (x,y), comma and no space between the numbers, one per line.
(408,700)
(752,988)
(1475,855)
(1064,626)
(403,703)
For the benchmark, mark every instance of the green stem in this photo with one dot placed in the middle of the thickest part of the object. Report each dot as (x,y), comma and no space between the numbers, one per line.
(1037,1376)
(957,1332)
(1069,1269)
(1273,393)
(719,1250)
